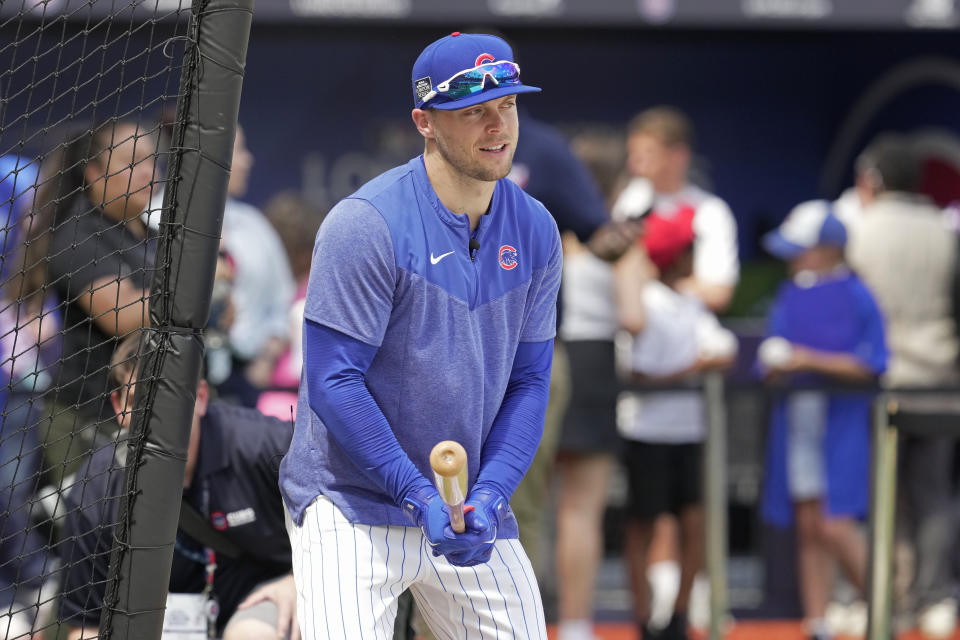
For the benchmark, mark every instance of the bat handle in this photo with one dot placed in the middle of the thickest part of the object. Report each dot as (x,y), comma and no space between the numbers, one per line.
(456,518)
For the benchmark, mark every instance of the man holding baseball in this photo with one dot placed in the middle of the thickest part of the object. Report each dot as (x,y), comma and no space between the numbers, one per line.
(430,316)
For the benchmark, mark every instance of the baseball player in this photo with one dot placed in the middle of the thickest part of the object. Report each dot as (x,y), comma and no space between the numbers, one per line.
(430,315)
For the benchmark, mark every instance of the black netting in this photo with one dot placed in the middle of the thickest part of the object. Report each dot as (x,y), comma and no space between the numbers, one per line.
(88,102)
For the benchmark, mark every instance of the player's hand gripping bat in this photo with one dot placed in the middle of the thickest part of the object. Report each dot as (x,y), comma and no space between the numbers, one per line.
(449,462)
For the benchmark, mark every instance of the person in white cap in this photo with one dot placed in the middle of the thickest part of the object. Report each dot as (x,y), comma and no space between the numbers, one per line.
(824,328)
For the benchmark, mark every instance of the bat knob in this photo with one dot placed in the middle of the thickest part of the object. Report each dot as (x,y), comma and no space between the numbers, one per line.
(448,458)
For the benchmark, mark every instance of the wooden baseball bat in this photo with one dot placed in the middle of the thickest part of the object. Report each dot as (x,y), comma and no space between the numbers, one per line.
(449,462)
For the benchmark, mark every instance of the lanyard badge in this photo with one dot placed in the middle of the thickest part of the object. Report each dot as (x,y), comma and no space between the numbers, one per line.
(190,616)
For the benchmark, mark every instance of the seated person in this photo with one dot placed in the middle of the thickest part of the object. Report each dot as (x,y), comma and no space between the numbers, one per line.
(231,478)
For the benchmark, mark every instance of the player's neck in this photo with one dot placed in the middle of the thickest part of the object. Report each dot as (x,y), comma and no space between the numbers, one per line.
(670,186)
(458,192)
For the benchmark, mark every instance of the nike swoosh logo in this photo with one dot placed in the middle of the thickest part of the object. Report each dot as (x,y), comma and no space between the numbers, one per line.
(436,259)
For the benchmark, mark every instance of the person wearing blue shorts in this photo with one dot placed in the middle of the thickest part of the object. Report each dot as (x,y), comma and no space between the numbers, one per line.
(824,328)
(430,315)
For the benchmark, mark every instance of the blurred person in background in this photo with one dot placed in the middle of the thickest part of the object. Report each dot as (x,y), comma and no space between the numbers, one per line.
(824,327)
(904,252)
(88,245)
(588,444)
(674,337)
(230,480)
(296,222)
(659,153)
(660,147)
(24,340)
(217,354)
(263,287)
(546,168)
(18,182)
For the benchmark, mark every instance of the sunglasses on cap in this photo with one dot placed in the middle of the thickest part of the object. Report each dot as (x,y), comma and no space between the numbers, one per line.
(470,81)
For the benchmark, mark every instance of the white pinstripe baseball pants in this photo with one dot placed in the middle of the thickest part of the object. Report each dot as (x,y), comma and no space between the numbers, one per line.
(349,578)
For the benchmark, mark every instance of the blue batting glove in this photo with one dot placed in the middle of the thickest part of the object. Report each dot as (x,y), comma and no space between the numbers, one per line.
(489,510)
(483,524)
(425,509)
(479,555)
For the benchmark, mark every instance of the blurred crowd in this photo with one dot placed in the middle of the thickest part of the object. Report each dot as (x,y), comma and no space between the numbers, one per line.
(868,301)
(650,266)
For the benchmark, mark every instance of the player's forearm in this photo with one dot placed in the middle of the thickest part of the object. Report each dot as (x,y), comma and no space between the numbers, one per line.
(117,307)
(841,366)
(702,365)
(83,633)
(613,239)
(716,297)
(513,439)
(335,366)
(632,272)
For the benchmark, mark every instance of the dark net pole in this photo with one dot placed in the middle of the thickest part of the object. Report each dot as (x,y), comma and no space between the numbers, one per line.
(180,304)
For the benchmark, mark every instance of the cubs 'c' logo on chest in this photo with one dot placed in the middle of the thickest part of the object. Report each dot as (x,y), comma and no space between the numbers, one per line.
(484,57)
(508,257)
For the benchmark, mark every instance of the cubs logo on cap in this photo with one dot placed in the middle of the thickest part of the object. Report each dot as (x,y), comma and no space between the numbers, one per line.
(458,56)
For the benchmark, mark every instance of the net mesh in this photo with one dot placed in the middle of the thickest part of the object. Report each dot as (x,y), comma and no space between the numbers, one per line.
(88,95)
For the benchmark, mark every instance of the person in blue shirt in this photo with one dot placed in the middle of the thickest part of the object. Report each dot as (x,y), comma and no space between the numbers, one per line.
(23,557)
(430,315)
(18,179)
(824,328)
(547,168)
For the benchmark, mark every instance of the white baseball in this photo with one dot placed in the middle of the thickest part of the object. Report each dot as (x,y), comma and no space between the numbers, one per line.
(720,343)
(774,352)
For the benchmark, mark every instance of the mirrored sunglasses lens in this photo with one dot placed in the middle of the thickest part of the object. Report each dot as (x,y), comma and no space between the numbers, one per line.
(472,81)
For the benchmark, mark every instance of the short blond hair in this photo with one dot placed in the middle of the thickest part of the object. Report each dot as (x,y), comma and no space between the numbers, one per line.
(669,124)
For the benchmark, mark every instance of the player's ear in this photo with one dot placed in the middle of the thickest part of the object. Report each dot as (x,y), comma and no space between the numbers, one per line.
(423,120)
(94,174)
(115,400)
(203,397)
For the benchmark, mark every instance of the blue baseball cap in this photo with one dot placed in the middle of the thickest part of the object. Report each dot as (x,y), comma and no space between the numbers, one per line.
(810,224)
(450,55)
